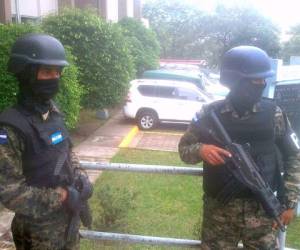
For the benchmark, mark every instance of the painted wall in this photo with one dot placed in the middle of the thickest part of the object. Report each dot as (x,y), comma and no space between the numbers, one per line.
(130,8)
(112,10)
(35,8)
(48,6)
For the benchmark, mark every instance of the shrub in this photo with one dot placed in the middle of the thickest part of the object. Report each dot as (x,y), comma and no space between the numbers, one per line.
(8,83)
(144,46)
(70,92)
(68,99)
(110,207)
(104,60)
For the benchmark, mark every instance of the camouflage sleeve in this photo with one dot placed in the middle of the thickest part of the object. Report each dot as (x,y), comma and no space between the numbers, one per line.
(15,194)
(75,161)
(189,144)
(290,148)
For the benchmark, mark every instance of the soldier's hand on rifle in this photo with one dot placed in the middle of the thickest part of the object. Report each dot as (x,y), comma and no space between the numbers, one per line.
(286,217)
(213,155)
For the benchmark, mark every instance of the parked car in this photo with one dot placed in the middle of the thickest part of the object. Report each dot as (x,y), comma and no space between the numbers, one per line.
(177,75)
(213,89)
(190,68)
(152,101)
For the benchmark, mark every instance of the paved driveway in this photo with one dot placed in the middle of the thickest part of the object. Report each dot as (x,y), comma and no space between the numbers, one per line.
(156,140)
(120,132)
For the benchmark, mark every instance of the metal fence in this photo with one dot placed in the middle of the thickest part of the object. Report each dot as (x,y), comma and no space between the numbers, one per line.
(158,169)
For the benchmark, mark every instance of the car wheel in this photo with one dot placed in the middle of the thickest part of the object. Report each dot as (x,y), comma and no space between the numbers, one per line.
(147,120)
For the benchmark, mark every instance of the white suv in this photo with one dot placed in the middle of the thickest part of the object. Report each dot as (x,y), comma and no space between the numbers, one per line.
(151,101)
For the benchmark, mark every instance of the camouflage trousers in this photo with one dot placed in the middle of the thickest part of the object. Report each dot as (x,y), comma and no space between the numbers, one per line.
(241,220)
(42,234)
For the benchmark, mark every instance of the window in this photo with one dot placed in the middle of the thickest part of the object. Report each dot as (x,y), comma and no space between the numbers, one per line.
(26,19)
(147,90)
(187,94)
(166,92)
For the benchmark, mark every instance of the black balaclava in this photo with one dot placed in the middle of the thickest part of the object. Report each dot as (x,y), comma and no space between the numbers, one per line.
(34,94)
(245,95)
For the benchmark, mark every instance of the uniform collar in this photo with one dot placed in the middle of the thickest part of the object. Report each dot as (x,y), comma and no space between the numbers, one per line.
(228,108)
(53,109)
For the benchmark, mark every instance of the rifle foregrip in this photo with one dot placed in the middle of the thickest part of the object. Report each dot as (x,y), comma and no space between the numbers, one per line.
(86,215)
(73,227)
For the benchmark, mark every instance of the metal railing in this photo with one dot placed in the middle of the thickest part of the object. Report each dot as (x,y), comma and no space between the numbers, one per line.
(131,238)
(157,169)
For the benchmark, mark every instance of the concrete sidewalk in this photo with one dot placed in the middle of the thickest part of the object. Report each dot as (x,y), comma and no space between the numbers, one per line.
(156,140)
(103,144)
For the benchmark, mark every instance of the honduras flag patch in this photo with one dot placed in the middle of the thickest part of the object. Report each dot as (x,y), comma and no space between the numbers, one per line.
(56,138)
(3,137)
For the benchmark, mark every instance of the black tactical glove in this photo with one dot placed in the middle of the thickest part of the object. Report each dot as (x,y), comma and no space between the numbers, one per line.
(84,186)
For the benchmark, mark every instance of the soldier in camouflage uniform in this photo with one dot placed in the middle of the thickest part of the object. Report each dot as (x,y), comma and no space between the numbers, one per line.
(255,121)
(36,162)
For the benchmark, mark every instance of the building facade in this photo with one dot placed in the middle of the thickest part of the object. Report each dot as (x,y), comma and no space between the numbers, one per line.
(24,10)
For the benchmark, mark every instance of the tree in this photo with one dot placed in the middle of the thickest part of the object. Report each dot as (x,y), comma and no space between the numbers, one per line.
(102,52)
(143,44)
(175,24)
(186,32)
(230,27)
(292,46)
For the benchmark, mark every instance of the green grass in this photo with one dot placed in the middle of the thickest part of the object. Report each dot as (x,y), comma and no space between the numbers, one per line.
(165,205)
(293,234)
(148,157)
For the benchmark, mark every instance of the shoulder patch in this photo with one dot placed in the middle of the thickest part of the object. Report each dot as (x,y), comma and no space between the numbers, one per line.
(198,115)
(195,118)
(3,137)
(205,110)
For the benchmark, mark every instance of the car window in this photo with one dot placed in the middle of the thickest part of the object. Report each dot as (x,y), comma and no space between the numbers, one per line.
(188,94)
(166,92)
(147,90)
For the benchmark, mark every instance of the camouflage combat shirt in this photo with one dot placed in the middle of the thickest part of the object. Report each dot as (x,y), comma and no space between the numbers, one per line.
(190,145)
(15,194)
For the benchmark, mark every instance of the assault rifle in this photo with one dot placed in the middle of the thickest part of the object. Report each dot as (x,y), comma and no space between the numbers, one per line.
(77,184)
(246,172)
(82,212)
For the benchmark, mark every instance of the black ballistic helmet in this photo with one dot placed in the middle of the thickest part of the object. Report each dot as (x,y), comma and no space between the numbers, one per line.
(36,49)
(244,62)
